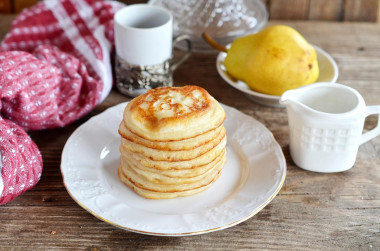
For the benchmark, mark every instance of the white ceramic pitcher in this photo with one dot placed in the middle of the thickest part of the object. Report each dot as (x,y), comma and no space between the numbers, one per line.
(326,126)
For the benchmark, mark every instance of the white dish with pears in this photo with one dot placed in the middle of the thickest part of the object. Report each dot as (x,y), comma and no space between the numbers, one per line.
(328,72)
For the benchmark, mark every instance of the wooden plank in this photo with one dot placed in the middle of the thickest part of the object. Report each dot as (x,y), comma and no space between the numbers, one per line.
(266,3)
(5,24)
(5,6)
(326,10)
(363,11)
(290,9)
(133,1)
(19,5)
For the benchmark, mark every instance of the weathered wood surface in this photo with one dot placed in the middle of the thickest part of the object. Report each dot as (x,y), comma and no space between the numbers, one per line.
(326,10)
(312,211)
(322,10)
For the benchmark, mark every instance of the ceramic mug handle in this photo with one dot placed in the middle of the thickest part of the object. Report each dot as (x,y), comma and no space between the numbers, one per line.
(175,64)
(375,131)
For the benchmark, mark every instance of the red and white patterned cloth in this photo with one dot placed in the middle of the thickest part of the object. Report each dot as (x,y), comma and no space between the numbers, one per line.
(20,159)
(54,68)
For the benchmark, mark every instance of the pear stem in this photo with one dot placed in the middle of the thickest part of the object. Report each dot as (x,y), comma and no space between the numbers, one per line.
(213,43)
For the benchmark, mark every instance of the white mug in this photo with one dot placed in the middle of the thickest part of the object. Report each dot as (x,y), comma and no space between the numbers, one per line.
(143,34)
(144,44)
(326,126)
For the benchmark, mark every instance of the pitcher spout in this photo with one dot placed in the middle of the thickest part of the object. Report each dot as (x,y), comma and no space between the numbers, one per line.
(323,98)
(290,96)
(295,99)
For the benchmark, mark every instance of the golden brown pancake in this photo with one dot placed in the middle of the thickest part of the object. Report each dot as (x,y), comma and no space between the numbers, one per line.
(175,179)
(170,185)
(180,155)
(175,165)
(173,113)
(159,195)
(177,145)
(176,173)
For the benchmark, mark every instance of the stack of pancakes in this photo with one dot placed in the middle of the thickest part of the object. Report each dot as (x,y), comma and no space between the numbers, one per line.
(173,142)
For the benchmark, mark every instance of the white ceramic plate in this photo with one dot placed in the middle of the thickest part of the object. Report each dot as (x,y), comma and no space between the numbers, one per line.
(328,72)
(253,175)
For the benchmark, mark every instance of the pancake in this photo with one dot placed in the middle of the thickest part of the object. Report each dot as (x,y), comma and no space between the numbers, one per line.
(181,155)
(176,165)
(159,178)
(145,181)
(175,173)
(185,144)
(173,113)
(160,195)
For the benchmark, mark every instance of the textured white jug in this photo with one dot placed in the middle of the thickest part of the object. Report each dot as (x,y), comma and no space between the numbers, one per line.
(326,126)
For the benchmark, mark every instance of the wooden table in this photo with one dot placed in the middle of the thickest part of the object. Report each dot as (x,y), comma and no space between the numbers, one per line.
(311,212)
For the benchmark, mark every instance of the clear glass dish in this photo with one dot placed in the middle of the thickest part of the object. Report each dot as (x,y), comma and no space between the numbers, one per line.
(224,20)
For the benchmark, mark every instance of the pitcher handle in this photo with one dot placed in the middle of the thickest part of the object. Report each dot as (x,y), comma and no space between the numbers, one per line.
(178,62)
(375,109)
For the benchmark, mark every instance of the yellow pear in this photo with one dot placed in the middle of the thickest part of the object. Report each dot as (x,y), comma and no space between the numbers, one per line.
(273,60)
